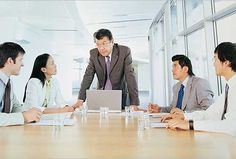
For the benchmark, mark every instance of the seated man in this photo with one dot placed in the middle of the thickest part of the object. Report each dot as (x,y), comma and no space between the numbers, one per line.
(190,93)
(11,56)
(221,116)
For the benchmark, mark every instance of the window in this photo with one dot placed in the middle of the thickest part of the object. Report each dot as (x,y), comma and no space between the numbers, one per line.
(194,11)
(174,21)
(219,4)
(226,29)
(197,53)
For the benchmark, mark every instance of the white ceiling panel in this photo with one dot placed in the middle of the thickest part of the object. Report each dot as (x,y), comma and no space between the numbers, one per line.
(71,24)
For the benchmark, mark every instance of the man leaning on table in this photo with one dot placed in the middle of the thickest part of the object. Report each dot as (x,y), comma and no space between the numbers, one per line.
(112,64)
(11,61)
(191,93)
(220,116)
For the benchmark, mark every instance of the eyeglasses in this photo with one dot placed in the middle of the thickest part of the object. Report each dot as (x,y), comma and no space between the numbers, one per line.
(105,44)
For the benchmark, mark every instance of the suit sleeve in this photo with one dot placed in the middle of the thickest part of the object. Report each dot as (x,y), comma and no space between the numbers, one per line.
(130,79)
(204,94)
(11,119)
(15,117)
(17,107)
(87,79)
(31,96)
(227,126)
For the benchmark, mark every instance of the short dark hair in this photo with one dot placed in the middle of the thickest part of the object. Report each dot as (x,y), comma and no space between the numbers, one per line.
(184,61)
(227,51)
(9,50)
(40,62)
(101,33)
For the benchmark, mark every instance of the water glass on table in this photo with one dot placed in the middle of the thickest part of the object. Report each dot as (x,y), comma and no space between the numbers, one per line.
(104,112)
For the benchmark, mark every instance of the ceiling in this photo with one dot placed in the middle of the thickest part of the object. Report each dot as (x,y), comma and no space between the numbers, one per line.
(129,21)
(69,25)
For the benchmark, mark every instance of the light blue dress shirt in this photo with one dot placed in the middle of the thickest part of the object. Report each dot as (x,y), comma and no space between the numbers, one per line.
(3,82)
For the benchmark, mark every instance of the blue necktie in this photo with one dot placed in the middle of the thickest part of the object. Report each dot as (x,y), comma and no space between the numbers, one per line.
(180,97)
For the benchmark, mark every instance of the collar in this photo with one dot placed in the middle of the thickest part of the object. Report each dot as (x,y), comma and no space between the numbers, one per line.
(185,81)
(4,77)
(232,81)
(110,55)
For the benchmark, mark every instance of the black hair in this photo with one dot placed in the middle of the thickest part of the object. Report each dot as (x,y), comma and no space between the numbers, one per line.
(227,52)
(184,61)
(101,33)
(9,50)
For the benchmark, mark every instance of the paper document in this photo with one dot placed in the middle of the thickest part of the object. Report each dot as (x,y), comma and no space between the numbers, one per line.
(158,125)
(66,115)
(155,120)
(55,119)
(157,115)
(52,122)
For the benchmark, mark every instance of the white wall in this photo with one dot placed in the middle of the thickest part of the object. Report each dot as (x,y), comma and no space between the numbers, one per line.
(143,77)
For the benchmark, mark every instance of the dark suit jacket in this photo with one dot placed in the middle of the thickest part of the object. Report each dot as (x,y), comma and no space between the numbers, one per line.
(197,95)
(121,74)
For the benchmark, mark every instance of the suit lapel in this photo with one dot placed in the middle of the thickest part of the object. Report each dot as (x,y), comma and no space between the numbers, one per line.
(187,92)
(115,56)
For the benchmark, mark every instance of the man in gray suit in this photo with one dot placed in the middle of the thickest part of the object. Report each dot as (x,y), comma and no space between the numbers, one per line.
(112,64)
(190,93)
(11,56)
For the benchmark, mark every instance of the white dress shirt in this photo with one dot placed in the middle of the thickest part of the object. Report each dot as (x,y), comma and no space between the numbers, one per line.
(15,116)
(110,55)
(36,93)
(210,120)
(185,82)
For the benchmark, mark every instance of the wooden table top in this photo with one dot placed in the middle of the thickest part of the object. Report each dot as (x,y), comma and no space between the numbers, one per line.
(115,137)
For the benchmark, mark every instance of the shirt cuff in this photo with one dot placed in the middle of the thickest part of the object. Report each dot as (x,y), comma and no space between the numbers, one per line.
(16,119)
(41,108)
(188,116)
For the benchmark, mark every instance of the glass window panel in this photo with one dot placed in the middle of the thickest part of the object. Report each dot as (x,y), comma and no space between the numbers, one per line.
(197,53)
(180,17)
(226,29)
(222,4)
(194,11)
(160,34)
(174,22)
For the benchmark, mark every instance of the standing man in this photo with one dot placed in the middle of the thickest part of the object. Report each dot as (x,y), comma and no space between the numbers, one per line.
(220,116)
(112,64)
(191,93)
(11,61)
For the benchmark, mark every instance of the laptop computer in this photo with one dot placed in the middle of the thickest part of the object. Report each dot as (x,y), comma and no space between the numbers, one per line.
(104,98)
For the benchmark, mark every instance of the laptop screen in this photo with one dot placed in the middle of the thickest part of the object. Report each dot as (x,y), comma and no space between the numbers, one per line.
(104,98)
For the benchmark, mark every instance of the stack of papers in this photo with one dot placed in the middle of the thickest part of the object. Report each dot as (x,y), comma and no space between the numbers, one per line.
(158,125)
(55,119)
(157,115)
(156,120)
(52,123)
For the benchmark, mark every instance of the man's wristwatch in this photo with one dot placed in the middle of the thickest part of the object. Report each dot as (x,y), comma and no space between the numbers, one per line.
(191,124)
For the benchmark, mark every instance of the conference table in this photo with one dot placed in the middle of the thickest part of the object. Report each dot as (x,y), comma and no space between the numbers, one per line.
(112,137)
